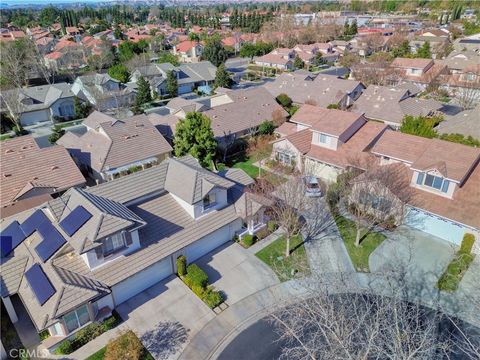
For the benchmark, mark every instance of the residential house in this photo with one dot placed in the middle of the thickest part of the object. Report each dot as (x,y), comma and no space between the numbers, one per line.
(31,175)
(445,182)
(391,105)
(463,83)
(280,58)
(45,44)
(111,242)
(325,141)
(465,122)
(103,91)
(438,44)
(469,43)
(232,114)
(421,72)
(322,90)
(236,41)
(111,148)
(11,35)
(189,76)
(38,104)
(66,55)
(188,51)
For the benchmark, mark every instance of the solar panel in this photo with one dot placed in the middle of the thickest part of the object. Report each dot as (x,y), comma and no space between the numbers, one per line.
(75,220)
(39,283)
(33,222)
(11,237)
(52,241)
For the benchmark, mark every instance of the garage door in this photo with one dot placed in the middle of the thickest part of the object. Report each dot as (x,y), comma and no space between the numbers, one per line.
(205,245)
(436,226)
(141,281)
(32,118)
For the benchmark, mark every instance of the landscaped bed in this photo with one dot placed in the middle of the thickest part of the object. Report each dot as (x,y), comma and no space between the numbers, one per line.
(452,276)
(197,280)
(88,333)
(9,336)
(369,242)
(127,345)
(286,267)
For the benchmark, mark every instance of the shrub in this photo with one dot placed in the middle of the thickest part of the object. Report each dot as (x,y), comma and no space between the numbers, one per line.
(64,348)
(272,226)
(262,234)
(182,265)
(266,128)
(284,100)
(221,166)
(126,347)
(197,276)
(212,298)
(333,106)
(235,238)
(198,290)
(248,240)
(87,334)
(467,244)
(45,334)
(111,322)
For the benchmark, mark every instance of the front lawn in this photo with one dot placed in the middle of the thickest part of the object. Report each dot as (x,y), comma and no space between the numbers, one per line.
(274,256)
(100,354)
(368,243)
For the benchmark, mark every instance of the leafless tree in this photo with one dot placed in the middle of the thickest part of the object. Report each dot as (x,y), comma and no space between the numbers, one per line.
(11,101)
(376,194)
(100,61)
(278,117)
(15,67)
(467,88)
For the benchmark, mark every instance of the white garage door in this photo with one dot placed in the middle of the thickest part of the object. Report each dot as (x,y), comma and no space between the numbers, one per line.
(207,244)
(436,226)
(141,281)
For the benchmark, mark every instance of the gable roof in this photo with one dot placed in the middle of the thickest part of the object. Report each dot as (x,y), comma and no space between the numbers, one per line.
(26,168)
(465,123)
(329,121)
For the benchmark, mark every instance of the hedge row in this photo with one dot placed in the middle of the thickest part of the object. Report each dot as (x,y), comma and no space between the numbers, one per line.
(197,280)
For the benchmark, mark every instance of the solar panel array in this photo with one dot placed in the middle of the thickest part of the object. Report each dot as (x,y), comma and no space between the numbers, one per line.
(75,220)
(11,237)
(39,283)
(52,241)
(33,222)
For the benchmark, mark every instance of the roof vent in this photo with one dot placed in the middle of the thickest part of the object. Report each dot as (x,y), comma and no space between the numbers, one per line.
(54,167)
(6,175)
(24,147)
(9,151)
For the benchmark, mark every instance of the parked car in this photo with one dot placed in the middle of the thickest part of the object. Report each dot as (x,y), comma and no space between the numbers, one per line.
(312,186)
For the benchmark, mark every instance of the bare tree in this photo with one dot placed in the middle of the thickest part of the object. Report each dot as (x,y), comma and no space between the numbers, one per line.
(11,101)
(15,67)
(467,87)
(376,194)
(100,61)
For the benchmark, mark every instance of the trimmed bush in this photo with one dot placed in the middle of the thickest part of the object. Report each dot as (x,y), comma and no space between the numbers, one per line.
(284,100)
(266,128)
(248,240)
(182,265)
(262,234)
(126,347)
(65,347)
(467,243)
(198,290)
(212,298)
(196,276)
(272,226)
(221,166)
(88,333)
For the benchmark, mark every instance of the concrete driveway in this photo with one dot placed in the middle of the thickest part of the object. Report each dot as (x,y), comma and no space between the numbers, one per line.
(420,256)
(236,272)
(165,317)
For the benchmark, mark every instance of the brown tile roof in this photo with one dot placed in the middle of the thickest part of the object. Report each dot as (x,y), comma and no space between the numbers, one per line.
(272,59)
(400,146)
(119,143)
(330,121)
(287,128)
(412,63)
(302,140)
(26,168)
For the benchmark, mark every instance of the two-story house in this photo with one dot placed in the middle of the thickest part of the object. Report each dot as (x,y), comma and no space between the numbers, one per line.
(188,51)
(103,91)
(111,148)
(421,72)
(73,260)
(445,178)
(324,142)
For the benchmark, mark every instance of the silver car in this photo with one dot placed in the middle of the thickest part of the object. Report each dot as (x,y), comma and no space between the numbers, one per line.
(312,186)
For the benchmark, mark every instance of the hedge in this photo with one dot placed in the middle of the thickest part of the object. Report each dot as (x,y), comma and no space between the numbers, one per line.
(467,243)
(196,276)
(182,265)
(248,240)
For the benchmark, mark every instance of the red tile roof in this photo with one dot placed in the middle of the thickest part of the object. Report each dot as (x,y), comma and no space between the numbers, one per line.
(185,46)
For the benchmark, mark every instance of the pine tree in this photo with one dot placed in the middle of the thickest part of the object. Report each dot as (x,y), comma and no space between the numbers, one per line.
(144,93)
(222,78)
(172,84)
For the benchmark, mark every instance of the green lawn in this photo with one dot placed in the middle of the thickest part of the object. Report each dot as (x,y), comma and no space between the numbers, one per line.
(368,243)
(248,167)
(4,137)
(274,256)
(452,276)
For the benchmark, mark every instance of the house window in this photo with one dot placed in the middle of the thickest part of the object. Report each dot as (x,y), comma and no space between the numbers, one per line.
(285,159)
(77,318)
(209,201)
(323,138)
(432,181)
(112,244)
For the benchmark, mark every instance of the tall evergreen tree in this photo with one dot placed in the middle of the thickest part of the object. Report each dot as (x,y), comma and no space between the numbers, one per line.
(222,78)
(144,93)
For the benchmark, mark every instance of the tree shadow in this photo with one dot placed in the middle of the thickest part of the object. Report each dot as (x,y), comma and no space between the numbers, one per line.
(165,339)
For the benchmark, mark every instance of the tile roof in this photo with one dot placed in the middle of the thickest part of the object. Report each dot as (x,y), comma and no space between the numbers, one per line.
(185,46)
(329,121)
(412,63)
(465,123)
(302,86)
(116,143)
(287,128)
(25,164)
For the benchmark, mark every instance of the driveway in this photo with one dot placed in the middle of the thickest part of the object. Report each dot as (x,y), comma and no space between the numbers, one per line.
(165,317)
(236,272)
(421,257)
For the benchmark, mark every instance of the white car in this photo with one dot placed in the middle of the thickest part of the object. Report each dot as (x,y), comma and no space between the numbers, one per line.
(312,186)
